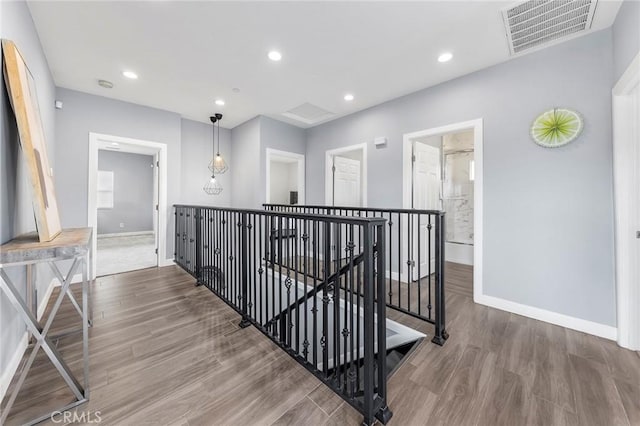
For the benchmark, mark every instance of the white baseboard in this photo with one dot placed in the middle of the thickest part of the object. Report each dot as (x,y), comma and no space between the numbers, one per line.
(14,362)
(393,275)
(125,234)
(585,326)
(77,278)
(166,262)
(459,253)
(42,305)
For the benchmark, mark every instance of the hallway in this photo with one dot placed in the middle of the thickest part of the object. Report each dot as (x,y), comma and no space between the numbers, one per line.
(166,352)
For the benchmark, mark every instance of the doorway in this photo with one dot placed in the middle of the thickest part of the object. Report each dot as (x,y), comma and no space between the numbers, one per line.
(346,176)
(285,178)
(126,204)
(626,162)
(442,170)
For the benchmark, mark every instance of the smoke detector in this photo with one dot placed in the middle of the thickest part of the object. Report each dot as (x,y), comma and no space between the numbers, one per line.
(537,22)
(105,83)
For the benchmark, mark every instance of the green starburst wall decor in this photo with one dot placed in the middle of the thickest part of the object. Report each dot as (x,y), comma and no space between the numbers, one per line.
(556,127)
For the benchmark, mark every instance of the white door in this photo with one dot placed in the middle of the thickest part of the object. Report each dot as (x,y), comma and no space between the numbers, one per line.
(346,193)
(346,182)
(427,186)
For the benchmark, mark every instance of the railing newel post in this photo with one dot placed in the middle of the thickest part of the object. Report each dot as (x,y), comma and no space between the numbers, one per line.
(198,243)
(445,334)
(438,337)
(384,414)
(244,322)
(369,359)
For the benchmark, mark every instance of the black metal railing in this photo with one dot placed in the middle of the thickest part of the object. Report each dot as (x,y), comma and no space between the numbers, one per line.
(414,258)
(279,272)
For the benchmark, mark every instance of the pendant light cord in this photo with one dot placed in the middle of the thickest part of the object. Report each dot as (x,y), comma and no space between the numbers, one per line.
(218,137)
(213,134)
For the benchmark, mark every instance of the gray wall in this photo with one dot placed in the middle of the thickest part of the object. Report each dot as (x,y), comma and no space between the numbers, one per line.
(84,113)
(626,36)
(16,212)
(250,141)
(245,167)
(132,192)
(548,213)
(197,151)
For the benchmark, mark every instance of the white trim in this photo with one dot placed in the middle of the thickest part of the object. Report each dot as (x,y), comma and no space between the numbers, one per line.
(393,275)
(629,78)
(95,140)
(125,234)
(626,162)
(44,301)
(585,326)
(166,262)
(328,174)
(477,126)
(77,278)
(14,363)
(300,159)
(459,253)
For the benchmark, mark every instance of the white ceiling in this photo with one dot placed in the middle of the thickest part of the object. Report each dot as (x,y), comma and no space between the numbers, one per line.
(187,54)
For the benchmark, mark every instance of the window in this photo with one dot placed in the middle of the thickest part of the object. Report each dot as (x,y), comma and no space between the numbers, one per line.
(105,189)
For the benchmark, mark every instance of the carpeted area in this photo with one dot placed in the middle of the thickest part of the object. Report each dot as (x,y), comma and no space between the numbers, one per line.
(117,254)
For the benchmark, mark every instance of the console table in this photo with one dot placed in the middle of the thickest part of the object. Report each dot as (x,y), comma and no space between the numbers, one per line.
(72,245)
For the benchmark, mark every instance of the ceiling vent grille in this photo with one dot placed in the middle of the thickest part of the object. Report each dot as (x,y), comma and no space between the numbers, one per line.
(536,22)
(308,113)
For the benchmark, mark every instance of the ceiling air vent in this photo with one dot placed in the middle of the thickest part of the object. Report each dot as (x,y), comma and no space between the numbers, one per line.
(536,22)
(308,113)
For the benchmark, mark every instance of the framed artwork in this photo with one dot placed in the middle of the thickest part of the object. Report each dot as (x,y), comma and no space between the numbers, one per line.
(556,127)
(22,95)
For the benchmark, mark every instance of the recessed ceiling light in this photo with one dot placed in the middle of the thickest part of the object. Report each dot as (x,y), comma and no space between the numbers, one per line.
(219,102)
(274,55)
(106,84)
(348,97)
(130,74)
(445,57)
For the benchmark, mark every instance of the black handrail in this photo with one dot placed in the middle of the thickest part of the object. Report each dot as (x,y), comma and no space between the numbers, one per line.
(360,209)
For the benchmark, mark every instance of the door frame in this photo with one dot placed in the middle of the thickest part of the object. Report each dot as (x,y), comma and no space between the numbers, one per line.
(328,175)
(626,161)
(477,127)
(299,158)
(160,149)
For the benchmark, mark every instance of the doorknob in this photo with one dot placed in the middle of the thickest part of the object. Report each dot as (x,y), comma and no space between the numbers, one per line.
(638,234)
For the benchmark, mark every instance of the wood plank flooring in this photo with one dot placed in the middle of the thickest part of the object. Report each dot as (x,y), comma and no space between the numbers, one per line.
(415,297)
(164,352)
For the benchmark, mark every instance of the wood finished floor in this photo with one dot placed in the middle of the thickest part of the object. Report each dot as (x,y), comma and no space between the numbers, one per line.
(459,279)
(166,352)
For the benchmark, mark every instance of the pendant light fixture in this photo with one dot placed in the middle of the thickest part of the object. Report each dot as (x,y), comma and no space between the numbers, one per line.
(213,187)
(217,164)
